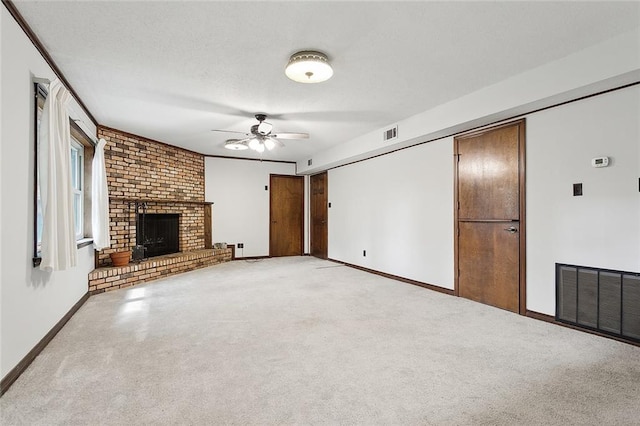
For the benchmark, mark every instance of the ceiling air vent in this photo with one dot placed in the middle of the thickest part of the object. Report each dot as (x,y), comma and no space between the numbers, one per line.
(389,134)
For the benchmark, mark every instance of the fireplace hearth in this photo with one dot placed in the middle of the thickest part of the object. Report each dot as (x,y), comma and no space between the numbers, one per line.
(158,233)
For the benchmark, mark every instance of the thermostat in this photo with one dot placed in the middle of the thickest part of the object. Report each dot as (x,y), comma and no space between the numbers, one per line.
(600,162)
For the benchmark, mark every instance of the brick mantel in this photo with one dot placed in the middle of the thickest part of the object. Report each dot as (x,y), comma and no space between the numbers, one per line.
(159,201)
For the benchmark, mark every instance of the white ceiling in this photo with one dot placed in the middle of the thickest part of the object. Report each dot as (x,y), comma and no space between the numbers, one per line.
(172,71)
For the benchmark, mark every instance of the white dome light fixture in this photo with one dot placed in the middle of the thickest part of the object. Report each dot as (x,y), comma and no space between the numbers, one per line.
(309,66)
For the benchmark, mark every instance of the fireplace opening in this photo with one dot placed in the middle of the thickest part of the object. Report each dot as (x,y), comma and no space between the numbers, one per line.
(159,233)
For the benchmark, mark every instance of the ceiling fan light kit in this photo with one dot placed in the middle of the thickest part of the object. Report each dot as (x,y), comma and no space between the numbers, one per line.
(309,66)
(260,137)
(254,144)
(235,144)
(269,144)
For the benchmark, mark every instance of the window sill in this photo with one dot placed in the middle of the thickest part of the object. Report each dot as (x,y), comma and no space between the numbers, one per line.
(79,243)
(84,242)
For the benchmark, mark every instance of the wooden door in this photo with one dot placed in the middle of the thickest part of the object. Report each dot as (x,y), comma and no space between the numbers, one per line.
(318,201)
(490,217)
(286,212)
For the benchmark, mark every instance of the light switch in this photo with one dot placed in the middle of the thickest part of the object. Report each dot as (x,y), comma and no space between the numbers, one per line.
(577,189)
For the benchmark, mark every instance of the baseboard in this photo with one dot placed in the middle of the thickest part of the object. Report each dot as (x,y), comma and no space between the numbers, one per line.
(13,375)
(257,257)
(397,278)
(539,316)
(551,319)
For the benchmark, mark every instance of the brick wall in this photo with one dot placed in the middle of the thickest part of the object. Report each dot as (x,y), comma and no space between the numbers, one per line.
(170,179)
(142,168)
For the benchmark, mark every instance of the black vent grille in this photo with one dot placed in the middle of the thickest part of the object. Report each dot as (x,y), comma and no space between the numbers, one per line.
(599,299)
(390,134)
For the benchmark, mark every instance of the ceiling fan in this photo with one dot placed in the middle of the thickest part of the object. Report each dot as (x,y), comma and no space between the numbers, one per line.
(260,137)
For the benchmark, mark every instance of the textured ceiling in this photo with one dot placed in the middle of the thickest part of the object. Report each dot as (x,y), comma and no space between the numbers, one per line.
(172,71)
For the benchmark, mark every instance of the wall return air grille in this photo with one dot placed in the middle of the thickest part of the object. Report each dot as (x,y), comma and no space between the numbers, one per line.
(599,299)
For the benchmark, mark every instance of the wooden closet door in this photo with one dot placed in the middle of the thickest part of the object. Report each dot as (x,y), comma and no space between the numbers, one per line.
(489,199)
(286,211)
(319,215)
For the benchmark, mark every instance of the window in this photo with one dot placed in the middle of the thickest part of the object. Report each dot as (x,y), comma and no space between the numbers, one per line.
(81,156)
(77,178)
(41,95)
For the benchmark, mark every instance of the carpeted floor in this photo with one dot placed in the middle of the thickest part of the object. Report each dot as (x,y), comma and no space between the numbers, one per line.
(305,341)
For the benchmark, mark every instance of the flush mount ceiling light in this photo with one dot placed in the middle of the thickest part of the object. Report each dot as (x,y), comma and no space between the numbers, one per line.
(309,66)
(235,144)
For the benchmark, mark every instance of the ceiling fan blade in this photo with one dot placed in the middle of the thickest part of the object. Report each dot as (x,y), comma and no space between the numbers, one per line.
(236,144)
(245,140)
(291,135)
(230,131)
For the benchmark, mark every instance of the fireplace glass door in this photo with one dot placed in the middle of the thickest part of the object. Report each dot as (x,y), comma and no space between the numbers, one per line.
(159,233)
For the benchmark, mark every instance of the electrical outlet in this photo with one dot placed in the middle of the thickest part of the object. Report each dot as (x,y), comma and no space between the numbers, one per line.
(240,245)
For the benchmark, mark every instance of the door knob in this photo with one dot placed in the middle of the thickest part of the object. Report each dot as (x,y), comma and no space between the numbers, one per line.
(511,229)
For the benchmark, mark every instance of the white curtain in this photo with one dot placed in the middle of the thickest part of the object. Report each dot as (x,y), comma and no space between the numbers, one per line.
(59,250)
(99,199)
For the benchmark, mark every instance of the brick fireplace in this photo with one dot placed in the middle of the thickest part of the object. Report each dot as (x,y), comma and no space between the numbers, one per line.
(122,212)
(167,180)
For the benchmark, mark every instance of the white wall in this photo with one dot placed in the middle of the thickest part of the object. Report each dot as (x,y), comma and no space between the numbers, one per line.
(601,228)
(240,212)
(399,208)
(31,301)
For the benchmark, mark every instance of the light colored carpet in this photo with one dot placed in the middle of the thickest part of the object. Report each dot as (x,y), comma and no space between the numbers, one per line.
(305,341)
